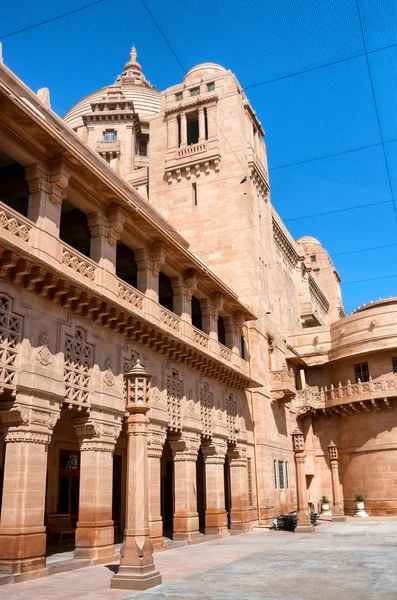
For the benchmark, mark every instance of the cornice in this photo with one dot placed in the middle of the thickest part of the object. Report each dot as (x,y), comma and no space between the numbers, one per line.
(184,106)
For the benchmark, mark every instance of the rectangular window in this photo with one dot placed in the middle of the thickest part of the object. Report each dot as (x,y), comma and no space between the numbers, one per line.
(313,258)
(179,131)
(110,135)
(210,86)
(249,475)
(394,365)
(286,476)
(275,474)
(281,474)
(195,91)
(178,96)
(192,125)
(194,189)
(361,372)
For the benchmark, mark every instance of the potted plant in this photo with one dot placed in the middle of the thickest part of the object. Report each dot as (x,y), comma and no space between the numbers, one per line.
(324,504)
(360,506)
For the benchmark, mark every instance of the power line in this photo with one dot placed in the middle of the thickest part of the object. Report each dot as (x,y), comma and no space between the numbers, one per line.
(338,210)
(244,169)
(303,162)
(323,66)
(376,108)
(51,20)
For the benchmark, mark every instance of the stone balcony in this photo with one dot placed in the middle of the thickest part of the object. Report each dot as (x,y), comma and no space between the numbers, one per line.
(192,160)
(350,398)
(282,384)
(108,146)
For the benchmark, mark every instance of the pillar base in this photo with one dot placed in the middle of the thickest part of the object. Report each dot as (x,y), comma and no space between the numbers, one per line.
(22,553)
(95,552)
(186,528)
(156,533)
(239,520)
(338,518)
(216,522)
(135,578)
(304,529)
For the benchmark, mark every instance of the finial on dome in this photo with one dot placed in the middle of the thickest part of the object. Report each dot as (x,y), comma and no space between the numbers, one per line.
(133,64)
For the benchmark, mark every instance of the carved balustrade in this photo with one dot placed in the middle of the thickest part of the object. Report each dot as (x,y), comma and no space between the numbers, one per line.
(282,383)
(15,223)
(78,262)
(130,294)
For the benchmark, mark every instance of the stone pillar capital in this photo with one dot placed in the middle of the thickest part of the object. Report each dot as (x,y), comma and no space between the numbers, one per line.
(96,435)
(156,441)
(238,456)
(185,447)
(116,220)
(158,255)
(214,451)
(22,423)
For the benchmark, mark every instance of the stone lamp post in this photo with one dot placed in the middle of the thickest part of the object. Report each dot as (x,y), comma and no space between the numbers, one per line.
(304,523)
(337,512)
(137,570)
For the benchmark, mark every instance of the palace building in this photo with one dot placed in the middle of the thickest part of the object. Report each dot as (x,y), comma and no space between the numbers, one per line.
(140,227)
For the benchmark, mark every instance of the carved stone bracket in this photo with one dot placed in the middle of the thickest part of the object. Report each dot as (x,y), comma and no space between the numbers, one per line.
(238,456)
(96,435)
(156,441)
(185,447)
(215,451)
(29,424)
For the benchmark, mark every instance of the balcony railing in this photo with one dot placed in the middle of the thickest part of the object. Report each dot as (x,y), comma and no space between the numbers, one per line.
(15,223)
(108,146)
(282,383)
(78,262)
(193,149)
(369,391)
(130,294)
(225,353)
(201,338)
(170,319)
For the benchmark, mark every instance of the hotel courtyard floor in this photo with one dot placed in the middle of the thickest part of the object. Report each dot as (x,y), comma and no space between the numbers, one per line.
(356,560)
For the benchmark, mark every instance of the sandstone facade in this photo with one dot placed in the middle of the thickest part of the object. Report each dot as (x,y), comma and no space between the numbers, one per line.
(141,227)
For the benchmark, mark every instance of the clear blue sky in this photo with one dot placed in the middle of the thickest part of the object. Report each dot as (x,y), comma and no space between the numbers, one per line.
(321,112)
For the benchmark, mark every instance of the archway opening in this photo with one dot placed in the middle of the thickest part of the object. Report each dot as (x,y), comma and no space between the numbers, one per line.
(200,487)
(167,491)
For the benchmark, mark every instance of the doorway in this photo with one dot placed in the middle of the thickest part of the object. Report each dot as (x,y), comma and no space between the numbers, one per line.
(167,491)
(200,489)
(69,483)
(226,479)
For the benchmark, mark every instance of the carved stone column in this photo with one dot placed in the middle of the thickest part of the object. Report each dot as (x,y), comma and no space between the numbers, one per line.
(215,513)
(22,532)
(149,265)
(95,527)
(186,521)
(239,512)
(304,523)
(137,570)
(201,119)
(183,129)
(105,233)
(337,508)
(155,451)
(172,132)
(47,189)
(183,288)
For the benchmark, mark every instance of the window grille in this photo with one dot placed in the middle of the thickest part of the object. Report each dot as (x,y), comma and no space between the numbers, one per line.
(361,372)
(174,401)
(206,410)
(394,365)
(249,476)
(286,476)
(10,338)
(275,474)
(231,413)
(281,475)
(78,357)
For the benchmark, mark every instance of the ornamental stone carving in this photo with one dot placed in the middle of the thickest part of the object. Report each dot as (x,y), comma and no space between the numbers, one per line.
(186,447)
(95,435)
(108,377)
(156,441)
(28,424)
(43,355)
(154,389)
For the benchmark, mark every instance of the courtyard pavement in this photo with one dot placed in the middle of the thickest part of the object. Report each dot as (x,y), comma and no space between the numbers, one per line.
(356,560)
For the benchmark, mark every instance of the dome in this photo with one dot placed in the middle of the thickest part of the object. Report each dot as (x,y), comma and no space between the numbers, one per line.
(202,70)
(308,239)
(131,86)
